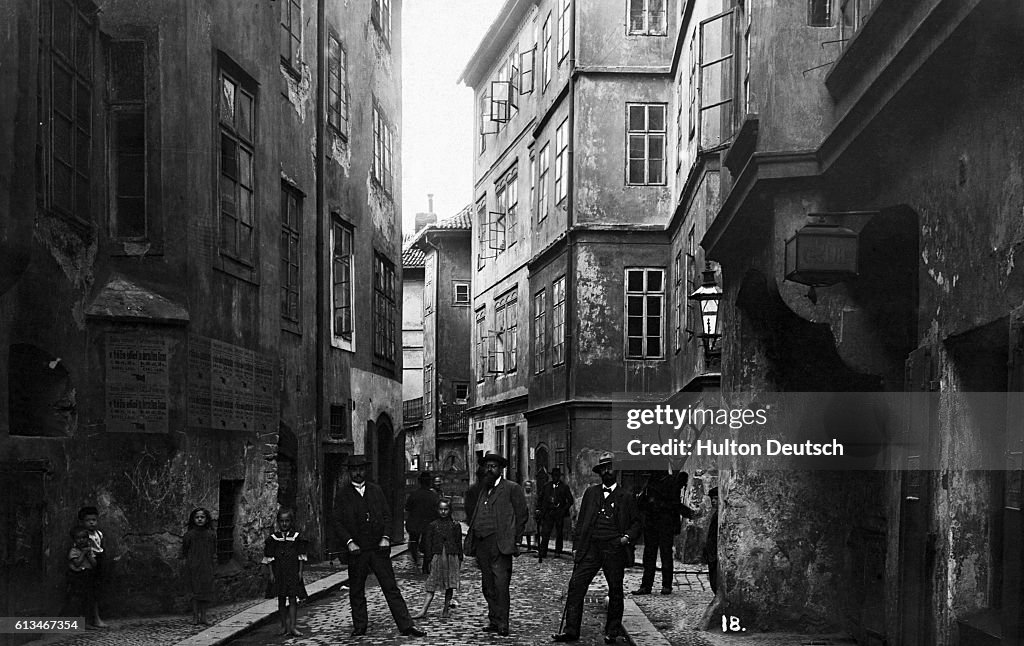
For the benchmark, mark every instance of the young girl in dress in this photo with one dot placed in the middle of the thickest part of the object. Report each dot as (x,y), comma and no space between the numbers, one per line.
(199,549)
(284,554)
(442,543)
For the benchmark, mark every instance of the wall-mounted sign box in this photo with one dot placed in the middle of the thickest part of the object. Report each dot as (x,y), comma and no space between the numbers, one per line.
(822,254)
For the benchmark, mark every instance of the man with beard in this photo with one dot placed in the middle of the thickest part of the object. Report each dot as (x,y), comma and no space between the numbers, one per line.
(362,523)
(662,511)
(608,524)
(554,502)
(497,527)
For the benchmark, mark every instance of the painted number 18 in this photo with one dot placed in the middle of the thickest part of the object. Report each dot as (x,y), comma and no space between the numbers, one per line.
(731,624)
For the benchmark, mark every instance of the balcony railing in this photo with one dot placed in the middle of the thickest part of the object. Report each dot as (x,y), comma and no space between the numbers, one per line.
(453,422)
(412,411)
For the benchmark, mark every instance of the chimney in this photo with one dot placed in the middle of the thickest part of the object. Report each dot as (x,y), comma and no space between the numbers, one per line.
(425,219)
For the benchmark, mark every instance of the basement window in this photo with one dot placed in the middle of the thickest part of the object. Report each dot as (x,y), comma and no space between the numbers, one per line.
(227,514)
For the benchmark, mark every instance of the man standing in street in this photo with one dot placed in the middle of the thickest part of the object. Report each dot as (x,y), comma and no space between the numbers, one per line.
(362,522)
(554,503)
(659,503)
(420,511)
(608,525)
(497,527)
(711,544)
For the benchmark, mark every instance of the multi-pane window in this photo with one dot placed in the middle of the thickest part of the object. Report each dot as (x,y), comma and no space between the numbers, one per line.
(337,86)
(691,278)
(506,326)
(481,345)
(545,57)
(383,145)
(384,308)
(461,392)
(342,257)
(339,422)
(291,34)
(563,29)
(715,118)
(645,295)
(428,390)
(484,232)
(679,120)
(542,182)
(484,118)
(646,133)
(237,145)
(747,107)
(647,17)
(126,67)
(531,204)
(507,196)
(460,293)
(67,35)
(558,321)
(540,315)
(679,298)
(819,13)
(561,161)
(692,113)
(291,235)
(381,16)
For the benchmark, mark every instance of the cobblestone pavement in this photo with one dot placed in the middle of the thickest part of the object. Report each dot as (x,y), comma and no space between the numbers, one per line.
(676,615)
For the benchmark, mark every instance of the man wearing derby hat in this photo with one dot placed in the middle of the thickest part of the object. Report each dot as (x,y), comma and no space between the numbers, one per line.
(606,528)
(496,529)
(362,522)
(553,504)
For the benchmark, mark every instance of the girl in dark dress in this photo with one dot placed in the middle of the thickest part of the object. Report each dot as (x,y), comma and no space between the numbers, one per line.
(442,544)
(199,549)
(284,554)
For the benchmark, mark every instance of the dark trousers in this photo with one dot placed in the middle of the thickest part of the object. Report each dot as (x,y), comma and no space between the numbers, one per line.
(81,600)
(550,522)
(713,575)
(609,556)
(496,575)
(658,539)
(379,562)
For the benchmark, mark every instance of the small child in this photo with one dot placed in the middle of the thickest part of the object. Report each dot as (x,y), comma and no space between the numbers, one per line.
(88,517)
(284,555)
(442,543)
(82,575)
(199,549)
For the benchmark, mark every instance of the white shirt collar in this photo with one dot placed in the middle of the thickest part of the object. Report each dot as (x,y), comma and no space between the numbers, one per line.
(611,487)
(360,488)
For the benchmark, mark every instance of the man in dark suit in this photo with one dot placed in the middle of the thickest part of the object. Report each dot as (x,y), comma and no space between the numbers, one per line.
(662,510)
(497,527)
(420,511)
(711,544)
(607,526)
(362,522)
(553,504)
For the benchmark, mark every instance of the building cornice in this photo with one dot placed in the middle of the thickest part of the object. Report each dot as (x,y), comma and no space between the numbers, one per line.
(495,41)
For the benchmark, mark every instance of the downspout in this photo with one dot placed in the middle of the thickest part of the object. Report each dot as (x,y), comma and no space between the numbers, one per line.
(319,168)
(570,292)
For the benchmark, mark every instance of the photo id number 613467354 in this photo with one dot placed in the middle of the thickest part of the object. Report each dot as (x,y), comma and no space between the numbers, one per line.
(30,625)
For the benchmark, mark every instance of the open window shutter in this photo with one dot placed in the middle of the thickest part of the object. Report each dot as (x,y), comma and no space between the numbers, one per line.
(526,63)
(514,87)
(492,355)
(496,237)
(500,92)
(716,80)
(487,125)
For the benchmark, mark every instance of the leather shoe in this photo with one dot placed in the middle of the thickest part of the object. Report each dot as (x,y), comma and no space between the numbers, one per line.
(610,639)
(641,590)
(414,632)
(565,637)
(358,632)
(490,629)
(666,590)
(503,632)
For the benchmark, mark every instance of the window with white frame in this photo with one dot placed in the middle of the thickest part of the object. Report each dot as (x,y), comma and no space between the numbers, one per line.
(647,18)
(545,57)
(483,233)
(542,182)
(337,86)
(646,134)
(428,284)
(460,293)
(384,309)
(237,154)
(531,204)
(679,299)
(558,321)
(481,344)
(503,357)
(342,266)
(507,196)
(540,316)
(692,112)
(715,114)
(645,300)
(561,161)
(819,13)
(291,35)
(383,145)
(461,389)
(692,316)
(564,27)
(380,15)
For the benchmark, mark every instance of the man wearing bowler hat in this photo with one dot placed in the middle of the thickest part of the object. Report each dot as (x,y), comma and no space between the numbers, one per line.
(553,504)
(496,528)
(363,522)
(606,528)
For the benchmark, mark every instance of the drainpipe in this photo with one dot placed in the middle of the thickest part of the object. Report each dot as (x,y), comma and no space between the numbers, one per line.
(570,292)
(319,168)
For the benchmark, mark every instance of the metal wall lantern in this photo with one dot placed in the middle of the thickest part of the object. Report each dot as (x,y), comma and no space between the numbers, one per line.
(708,297)
(821,254)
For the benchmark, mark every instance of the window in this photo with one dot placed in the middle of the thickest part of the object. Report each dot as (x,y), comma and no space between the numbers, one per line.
(339,422)
(563,30)
(679,120)
(337,86)
(545,57)
(691,279)
(67,35)
(237,139)
(645,293)
(461,392)
(716,80)
(484,121)
(428,284)
(852,14)
(342,262)
(531,204)
(506,326)
(460,293)
(561,161)
(647,17)
(428,390)
(507,196)
(483,235)
(646,126)
(481,345)
(383,144)
(291,35)
(679,297)
(383,309)
(692,114)
(291,235)
(819,13)
(747,106)
(126,68)
(505,90)
(542,183)
(558,322)
(540,315)
(227,508)
(381,17)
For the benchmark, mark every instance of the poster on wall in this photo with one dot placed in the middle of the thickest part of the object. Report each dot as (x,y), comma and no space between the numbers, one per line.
(137,383)
(230,387)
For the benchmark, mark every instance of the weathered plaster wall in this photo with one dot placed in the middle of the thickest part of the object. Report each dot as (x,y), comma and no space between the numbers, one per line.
(602,37)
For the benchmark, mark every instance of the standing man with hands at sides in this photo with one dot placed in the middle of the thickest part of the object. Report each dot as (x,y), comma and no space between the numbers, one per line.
(607,526)
(496,529)
(553,504)
(363,522)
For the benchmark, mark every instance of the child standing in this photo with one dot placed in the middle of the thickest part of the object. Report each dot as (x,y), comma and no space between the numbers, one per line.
(88,517)
(82,575)
(199,549)
(442,543)
(284,554)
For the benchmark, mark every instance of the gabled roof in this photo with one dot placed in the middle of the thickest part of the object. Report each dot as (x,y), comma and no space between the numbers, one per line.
(413,258)
(461,221)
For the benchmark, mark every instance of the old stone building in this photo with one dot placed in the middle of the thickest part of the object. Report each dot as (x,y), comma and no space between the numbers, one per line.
(201,244)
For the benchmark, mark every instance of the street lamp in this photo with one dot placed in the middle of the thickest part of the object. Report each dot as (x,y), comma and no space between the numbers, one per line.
(708,296)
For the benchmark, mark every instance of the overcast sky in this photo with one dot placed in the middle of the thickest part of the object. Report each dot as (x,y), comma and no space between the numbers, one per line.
(439,36)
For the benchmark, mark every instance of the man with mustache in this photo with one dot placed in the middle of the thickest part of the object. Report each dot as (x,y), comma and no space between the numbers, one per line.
(606,528)
(363,522)
(497,527)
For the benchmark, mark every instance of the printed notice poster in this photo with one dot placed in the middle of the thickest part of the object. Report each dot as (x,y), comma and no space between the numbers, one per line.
(137,383)
(230,387)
